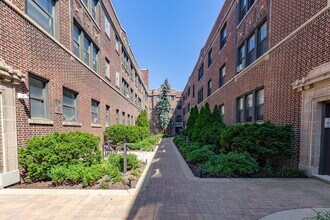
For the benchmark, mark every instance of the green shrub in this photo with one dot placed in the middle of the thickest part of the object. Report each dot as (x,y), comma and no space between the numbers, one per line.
(59,149)
(290,172)
(126,134)
(238,163)
(200,155)
(212,166)
(203,121)
(117,160)
(193,115)
(266,142)
(142,120)
(147,144)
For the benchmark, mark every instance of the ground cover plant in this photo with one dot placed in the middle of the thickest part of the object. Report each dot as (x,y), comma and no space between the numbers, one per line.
(213,149)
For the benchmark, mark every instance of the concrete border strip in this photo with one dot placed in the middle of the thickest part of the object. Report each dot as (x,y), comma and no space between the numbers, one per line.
(140,187)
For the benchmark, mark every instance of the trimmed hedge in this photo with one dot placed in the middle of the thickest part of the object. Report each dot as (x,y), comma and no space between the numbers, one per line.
(41,154)
(147,144)
(126,134)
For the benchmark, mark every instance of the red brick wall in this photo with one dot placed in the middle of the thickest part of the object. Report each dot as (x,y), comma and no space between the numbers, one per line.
(25,47)
(276,72)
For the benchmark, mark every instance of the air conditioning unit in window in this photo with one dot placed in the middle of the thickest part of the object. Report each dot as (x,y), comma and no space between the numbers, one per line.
(240,67)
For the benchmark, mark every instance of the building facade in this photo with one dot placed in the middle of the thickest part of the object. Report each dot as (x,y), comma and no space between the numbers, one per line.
(64,65)
(270,60)
(176,112)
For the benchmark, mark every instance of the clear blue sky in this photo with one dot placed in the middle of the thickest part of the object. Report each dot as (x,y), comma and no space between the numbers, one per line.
(166,36)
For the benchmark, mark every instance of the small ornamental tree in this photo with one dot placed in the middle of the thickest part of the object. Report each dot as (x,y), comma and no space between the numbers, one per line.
(142,120)
(163,107)
(191,121)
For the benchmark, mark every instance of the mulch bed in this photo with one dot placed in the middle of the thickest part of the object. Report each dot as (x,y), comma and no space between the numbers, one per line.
(97,185)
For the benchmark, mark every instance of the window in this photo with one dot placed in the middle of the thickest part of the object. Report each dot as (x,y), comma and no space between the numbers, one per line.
(210,57)
(179,118)
(95,10)
(240,107)
(188,107)
(95,58)
(249,108)
(117,44)
(128,120)
(241,58)
(124,88)
(131,96)
(188,91)
(172,97)
(201,72)
(158,98)
(200,96)
(222,74)
(42,12)
(251,50)
(95,112)
(107,25)
(209,87)
(70,112)
(117,79)
(222,112)
(38,89)
(107,68)
(262,39)
(117,116)
(193,92)
(244,6)
(179,105)
(123,118)
(76,40)
(184,111)
(87,44)
(223,36)
(260,100)
(132,119)
(107,116)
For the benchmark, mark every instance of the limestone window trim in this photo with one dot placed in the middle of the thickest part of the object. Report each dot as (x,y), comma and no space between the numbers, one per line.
(71,124)
(40,121)
(96,126)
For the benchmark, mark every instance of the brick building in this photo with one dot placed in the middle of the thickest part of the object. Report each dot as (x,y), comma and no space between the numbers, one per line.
(270,60)
(176,113)
(64,65)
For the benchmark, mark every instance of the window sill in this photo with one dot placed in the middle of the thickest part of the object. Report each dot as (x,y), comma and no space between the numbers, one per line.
(224,46)
(40,121)
(96,126)
(71,124)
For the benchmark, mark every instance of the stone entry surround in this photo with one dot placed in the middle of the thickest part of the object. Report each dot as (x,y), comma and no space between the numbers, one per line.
(315,90)
(9,77)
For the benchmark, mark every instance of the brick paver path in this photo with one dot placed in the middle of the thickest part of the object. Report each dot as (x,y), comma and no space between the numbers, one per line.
(170,195)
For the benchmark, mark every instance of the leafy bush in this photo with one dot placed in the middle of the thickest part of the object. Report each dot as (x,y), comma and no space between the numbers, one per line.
(117,160)
(41,154)
(200,155)
(238,163)
(147,144)
(86,175)
(142,120)
(266,142)
(290,172)
(212,166)
(126,134)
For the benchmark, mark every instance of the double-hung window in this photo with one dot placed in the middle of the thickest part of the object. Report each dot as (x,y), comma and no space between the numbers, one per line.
(117,44)
(209,87)
(39,98)
(42,12)
(223,36)
(70,111)
(117,116)
(95,112)
(210,58)
(222,112)
(249,108)
(188,92)
(107,116)
(193,92)
(200,96)
(87,45)
(107,68)
(262,39)
(123,118)
(240,110)
(260,101)
(107,25)
(222,74)
(241,58)
(201,72)
(244,6)
(76,40)
(95,10)
(95,58)
(251,49)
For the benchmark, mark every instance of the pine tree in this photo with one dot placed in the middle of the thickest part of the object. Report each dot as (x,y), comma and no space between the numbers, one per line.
(191,121)
(163,107)
(142,119)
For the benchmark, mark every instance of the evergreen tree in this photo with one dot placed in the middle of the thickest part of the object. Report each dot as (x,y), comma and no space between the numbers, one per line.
(163,107)
(198,127)
(216,114)
(142,119)
(191,121)
(212,132)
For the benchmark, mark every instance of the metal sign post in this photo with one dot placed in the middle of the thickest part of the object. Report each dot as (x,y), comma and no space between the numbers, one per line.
(125,159)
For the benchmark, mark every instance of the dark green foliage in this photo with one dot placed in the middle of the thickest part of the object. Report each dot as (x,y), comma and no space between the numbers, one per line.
(199,155)
(126,134)
(147,144)
(117,160)
(235,163)
(163,107)
(193,115)
(59,149)
(266,142)
(290,172)
(142,120)
(212,166)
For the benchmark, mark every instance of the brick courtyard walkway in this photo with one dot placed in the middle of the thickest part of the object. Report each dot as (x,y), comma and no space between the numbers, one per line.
(170,195)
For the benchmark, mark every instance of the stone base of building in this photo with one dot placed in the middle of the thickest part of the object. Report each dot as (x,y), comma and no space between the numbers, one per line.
(10,178)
